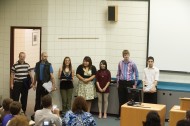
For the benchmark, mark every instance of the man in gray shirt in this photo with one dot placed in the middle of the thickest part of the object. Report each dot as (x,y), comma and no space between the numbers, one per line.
(47,114)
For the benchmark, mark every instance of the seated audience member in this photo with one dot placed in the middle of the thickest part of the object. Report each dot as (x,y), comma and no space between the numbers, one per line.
(79,115)
(5,108)
(183,123)
(152,119)
(18,120)
(15,108)
(188,115)
(47,113)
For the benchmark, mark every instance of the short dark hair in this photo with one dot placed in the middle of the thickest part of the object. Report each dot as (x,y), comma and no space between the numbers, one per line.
(46,101)
(88,59)
(150,57)
(6,103)
(152,119)
(79,105)
(15,107)
(104,63)
(21,53)
(183,123)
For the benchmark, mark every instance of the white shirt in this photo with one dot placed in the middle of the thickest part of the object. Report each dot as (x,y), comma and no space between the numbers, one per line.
(149,76)
(46,115)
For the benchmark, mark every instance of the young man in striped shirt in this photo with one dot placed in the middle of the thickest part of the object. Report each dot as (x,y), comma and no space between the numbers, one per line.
(127,76)
(19,71)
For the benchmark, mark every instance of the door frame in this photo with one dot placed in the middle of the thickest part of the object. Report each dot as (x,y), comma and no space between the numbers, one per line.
(12,31)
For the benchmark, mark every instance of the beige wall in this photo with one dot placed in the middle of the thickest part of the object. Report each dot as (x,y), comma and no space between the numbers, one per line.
(78,19)
(18,13)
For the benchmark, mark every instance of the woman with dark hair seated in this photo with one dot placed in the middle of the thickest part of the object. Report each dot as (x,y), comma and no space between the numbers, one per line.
(152,119)
(183,122)
(79,115)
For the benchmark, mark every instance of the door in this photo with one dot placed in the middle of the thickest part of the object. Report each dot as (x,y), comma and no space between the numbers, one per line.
(28,40)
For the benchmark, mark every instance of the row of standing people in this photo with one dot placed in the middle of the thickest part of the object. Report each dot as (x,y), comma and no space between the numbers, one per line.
(86,73)
(127,76)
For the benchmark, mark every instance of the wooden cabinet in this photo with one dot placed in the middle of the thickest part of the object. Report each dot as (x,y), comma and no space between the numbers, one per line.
(175,115)
(134,116)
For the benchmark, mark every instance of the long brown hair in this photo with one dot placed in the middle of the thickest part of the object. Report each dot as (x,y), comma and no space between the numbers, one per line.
(104,63)
(88,59)
(64,65)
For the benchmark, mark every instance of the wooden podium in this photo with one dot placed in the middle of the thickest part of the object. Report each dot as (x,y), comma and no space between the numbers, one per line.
(185,104)
(179,112)
(134,116)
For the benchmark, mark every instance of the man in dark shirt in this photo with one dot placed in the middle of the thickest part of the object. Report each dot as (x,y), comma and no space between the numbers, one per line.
(43,73)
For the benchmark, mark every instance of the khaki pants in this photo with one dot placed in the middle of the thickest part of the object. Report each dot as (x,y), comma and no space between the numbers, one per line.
(66,95)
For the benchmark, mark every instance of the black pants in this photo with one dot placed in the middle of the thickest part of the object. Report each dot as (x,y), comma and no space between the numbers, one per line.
(150,98)
(40,92)
(18,89)
(122,92)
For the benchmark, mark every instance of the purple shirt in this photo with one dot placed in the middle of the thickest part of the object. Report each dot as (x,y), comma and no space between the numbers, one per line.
(6,119)
(127,71)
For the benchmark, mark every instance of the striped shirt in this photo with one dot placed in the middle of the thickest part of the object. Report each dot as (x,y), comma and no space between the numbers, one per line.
(20,71)
(127,71)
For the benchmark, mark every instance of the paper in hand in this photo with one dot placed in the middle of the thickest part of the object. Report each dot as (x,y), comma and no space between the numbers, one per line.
(48,86)
(31,122)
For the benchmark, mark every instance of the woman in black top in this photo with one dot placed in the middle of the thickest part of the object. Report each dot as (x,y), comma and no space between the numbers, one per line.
(86,73)
(66,74)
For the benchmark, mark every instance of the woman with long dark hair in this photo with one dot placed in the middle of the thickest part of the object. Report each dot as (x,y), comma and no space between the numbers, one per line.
(86,73)
(66,74)
(103,79)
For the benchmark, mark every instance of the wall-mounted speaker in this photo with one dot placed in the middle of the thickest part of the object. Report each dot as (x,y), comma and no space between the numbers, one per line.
(112,13)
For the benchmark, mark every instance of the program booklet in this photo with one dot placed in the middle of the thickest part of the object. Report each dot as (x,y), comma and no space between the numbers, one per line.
(48,86)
